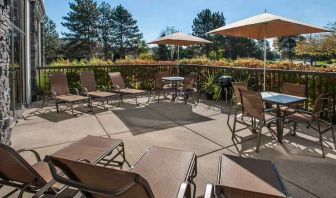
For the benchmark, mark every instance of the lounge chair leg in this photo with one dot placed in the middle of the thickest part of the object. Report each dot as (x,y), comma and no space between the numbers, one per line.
(121,99)
(320,138)
(234,122)
(57,108)
(136,99)
(294,128)
(158,94)
(259,137)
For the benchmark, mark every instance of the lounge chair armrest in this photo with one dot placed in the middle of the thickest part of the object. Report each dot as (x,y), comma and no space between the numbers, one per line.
(84,90)
(115,87)
(184,190)
(209,191)
(44,189)
(37,156)
(84,160)
(76,90)
(53,93)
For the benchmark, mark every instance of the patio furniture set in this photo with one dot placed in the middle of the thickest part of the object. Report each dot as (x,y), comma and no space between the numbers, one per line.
(61,93)
(93,167)
(250,109)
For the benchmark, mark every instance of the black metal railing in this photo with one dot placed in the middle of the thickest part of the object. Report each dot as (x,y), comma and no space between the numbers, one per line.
(141,76)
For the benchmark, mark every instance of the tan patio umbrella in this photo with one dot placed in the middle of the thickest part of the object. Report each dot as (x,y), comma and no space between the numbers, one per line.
(179,39)
(265,26)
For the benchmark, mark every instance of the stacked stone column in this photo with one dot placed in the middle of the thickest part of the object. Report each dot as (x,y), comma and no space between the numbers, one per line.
(6,121)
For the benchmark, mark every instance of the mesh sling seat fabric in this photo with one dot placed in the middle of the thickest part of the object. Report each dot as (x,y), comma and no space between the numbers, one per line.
(61,93)
(16,172)
(118,86)
(160,172)
(245,177)
(89,85)
(294,90)
(253,106)
(315,117)
(236,106)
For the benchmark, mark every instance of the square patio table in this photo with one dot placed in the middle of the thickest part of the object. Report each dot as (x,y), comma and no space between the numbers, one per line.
(280,99)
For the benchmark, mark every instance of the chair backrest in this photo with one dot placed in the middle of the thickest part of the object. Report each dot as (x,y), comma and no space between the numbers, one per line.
(117,79)
(294,89)
(320,104)
(14,168)
(88,80)
(158,80)
(164,73)
(195,74)
(189,82)
(236,87)
(59,83)
(252,103)
(97,181)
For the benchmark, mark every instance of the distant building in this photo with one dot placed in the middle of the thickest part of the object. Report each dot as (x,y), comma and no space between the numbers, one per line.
(21,51)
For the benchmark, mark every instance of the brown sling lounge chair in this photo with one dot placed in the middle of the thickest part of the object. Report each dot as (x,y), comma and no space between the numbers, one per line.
(189,87)
(118,86)
(16,172)
(245,177)
(61,94)
(160,173)
(88,83)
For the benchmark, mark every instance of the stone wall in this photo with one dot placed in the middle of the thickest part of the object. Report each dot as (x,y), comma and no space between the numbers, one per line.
(6,121)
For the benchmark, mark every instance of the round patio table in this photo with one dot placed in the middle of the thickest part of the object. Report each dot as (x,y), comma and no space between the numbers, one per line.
(174,81)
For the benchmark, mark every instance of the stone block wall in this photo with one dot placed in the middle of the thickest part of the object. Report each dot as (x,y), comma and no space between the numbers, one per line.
(6,121)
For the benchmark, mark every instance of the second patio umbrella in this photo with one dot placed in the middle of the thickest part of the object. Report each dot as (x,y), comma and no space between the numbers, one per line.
(266,26)
(179,39)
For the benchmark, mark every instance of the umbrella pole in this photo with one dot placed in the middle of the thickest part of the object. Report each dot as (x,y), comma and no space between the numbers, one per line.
(178,52)
(265,57)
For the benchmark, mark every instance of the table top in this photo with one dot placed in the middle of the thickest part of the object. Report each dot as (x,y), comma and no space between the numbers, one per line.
(173,78)
(281,99)
(246,177)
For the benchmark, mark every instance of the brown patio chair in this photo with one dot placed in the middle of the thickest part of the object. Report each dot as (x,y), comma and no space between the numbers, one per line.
(236,107)
(61,93)
(88,83)
(253,107)
(240,177)
(118,86)
(315,117)
(188,88)
(294,90)
(160,172)
(16,172)
(160,86)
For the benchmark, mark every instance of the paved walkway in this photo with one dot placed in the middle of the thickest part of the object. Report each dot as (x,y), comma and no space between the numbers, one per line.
(201,129)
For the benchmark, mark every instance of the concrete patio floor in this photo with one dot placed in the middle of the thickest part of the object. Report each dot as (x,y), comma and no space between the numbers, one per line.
(200,128)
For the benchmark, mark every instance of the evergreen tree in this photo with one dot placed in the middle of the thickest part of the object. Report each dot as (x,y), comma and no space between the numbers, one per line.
(285,46)
(205,22)
(82,23)
(105,28)
(52,40)
(125,34)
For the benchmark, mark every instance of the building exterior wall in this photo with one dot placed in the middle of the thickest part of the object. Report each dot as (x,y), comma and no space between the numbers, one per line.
(5,118)
(21,51)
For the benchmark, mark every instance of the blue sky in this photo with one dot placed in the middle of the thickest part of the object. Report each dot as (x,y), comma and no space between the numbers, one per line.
(154,15)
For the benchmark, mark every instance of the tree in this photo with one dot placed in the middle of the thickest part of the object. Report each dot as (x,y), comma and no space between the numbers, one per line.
(205,22)
(105,28)
(82,23)
(285,46)
(125,33)
(52,40)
